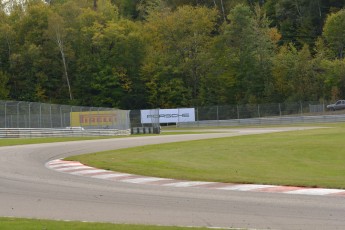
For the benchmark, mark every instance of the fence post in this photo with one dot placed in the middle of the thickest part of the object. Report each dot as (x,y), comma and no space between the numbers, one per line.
(70,116)
(50,113)
(30,115)
(5,114)
(18,114)
(197,115)
(280,110)
(92,122)
(217,113)
(40,121)
(259,110)
(238,113)
(61,116)
(99,122)
(114,115)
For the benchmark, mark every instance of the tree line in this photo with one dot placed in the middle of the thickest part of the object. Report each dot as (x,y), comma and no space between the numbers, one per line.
(134,54)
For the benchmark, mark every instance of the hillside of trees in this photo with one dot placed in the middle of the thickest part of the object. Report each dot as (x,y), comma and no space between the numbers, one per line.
(134,54)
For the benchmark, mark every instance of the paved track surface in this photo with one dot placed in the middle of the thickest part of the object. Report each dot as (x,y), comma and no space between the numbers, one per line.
(29,189)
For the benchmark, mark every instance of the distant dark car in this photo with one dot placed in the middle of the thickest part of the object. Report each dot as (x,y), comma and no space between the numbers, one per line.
(337,106)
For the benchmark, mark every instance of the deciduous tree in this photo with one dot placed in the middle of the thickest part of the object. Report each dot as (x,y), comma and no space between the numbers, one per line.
(178,43)
(334,33)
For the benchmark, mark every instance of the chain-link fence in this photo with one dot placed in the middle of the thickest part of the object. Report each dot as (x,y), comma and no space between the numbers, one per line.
(32,115)
(279,113)
(19,114)
(228,112)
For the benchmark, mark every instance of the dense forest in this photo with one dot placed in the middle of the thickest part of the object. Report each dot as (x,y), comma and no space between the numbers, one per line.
(135,54)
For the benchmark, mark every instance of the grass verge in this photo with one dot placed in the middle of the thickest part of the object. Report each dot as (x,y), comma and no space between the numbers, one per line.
(311,158)
(33,224)
(26,141)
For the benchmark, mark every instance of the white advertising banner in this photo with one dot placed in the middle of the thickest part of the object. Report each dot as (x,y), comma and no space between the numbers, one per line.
(168,115)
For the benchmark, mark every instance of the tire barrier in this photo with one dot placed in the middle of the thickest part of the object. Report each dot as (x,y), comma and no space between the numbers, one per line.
(145,130)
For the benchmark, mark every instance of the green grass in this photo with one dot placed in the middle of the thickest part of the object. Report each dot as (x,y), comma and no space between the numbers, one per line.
(312,158)
(32,224)
(26,141)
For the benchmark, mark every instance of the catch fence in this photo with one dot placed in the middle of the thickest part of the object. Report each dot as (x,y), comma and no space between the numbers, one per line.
(228,112)
(234,115)
(274,113)
(32,115)
(18,118)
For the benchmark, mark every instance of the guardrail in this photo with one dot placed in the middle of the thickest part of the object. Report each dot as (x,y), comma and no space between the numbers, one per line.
(46,132)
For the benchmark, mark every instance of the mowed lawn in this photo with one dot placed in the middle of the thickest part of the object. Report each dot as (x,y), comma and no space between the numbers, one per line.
(27,141)
(32,224)
(312,158)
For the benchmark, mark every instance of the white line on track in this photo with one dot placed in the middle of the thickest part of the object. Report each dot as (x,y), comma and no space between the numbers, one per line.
(188,184)
(246,187)
(91,171)
(109,175)
(142,180)
(315,191)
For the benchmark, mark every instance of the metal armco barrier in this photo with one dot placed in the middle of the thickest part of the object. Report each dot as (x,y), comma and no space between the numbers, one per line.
(31,133)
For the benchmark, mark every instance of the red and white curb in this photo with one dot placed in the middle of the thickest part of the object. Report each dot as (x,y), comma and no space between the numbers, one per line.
(76,168)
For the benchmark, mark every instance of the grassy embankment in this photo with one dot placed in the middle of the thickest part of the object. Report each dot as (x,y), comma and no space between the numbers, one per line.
(312,158)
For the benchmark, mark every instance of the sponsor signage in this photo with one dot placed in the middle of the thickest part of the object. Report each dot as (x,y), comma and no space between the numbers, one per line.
(167,115)
(93,118)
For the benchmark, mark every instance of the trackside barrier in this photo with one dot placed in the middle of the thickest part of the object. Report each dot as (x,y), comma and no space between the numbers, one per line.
(267,121)
(21,114)
(145,130)
(29,133)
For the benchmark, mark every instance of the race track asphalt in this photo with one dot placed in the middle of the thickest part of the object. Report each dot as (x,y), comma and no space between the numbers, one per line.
(29,189)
